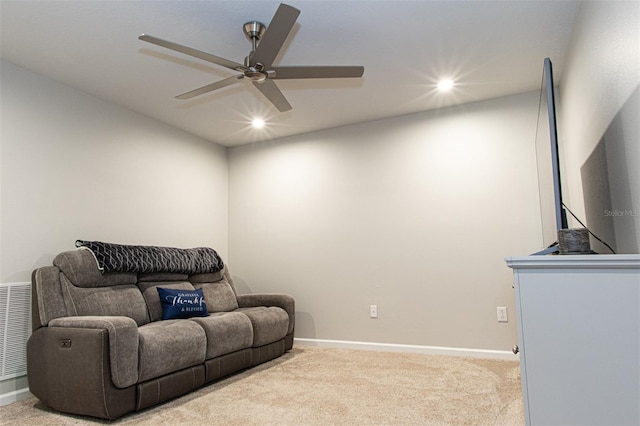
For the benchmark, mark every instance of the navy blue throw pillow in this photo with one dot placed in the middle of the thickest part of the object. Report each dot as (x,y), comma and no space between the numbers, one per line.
(182,303)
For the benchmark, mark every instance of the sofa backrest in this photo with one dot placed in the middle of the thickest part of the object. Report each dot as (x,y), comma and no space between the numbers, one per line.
(87,291)
(74,286)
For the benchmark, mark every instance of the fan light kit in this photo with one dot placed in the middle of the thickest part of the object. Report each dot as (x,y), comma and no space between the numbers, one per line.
(258,123)
(445,85)
(258,66)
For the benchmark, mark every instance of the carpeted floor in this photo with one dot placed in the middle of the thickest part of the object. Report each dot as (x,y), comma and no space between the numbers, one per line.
(322,386)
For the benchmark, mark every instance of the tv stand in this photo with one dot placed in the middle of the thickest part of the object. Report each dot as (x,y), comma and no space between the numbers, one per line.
(579,337)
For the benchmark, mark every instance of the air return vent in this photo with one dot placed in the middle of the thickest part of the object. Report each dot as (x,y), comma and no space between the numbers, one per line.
(15,327)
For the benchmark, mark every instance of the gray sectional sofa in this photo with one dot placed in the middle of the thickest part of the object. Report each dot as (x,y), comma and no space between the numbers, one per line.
(100,346)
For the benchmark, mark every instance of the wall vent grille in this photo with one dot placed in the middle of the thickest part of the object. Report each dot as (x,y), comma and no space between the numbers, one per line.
(15,328)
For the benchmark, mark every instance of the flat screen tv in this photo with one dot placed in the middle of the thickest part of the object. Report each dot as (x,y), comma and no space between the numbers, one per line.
(552,212)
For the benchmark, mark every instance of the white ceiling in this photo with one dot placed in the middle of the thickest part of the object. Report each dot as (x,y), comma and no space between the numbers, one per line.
(491,48)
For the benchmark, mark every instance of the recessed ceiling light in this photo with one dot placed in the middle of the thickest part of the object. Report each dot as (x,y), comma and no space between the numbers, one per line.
(258,123)
(445,85)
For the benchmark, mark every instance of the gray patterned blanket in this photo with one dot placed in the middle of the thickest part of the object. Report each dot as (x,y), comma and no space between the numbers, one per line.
(146,259)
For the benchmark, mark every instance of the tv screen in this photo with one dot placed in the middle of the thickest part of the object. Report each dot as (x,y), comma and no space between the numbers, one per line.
(552,213)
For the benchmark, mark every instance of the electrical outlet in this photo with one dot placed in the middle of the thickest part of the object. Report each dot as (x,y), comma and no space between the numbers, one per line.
(373,311)
(502,314)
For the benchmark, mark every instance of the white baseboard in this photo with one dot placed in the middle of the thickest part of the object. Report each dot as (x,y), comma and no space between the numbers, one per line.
(14,396)
(392,347)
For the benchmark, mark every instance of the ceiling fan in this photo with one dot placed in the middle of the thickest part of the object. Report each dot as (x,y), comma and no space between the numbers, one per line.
(258,66)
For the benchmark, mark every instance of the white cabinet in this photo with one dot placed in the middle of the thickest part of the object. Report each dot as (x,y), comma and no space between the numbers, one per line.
(579,338)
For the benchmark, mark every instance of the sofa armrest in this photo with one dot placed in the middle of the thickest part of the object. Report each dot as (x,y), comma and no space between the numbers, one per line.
(123,343)
(283,301)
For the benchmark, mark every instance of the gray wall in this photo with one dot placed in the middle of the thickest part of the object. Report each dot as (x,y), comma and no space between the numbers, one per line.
(74,166)
(414,214)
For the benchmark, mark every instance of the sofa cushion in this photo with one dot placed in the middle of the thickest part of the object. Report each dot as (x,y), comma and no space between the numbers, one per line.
(168,346)
(269,324)
(280,300)
(226,332)
(162,276)
(219,296)
(81,268)
(120,300)
(214,277)
(182,303)
(229,278)
(210,277)
(152,298)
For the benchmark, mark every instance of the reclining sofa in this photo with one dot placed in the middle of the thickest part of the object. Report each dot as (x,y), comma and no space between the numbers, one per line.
(105,343)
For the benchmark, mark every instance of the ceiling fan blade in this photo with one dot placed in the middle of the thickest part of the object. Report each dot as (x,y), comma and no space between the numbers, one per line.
(211,87)
(275,96)
(275,36)
(318,72)
(193,52)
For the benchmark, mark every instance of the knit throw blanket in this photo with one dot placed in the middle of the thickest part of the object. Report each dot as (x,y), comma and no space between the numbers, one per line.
(146,259)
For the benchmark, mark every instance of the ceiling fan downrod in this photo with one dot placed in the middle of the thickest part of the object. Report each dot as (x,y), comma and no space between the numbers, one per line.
(254,31)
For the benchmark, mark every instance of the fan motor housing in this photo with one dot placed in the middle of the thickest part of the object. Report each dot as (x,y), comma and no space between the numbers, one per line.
(255,74)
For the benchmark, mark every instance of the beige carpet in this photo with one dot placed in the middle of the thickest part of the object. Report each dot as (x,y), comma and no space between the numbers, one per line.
(321,386)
